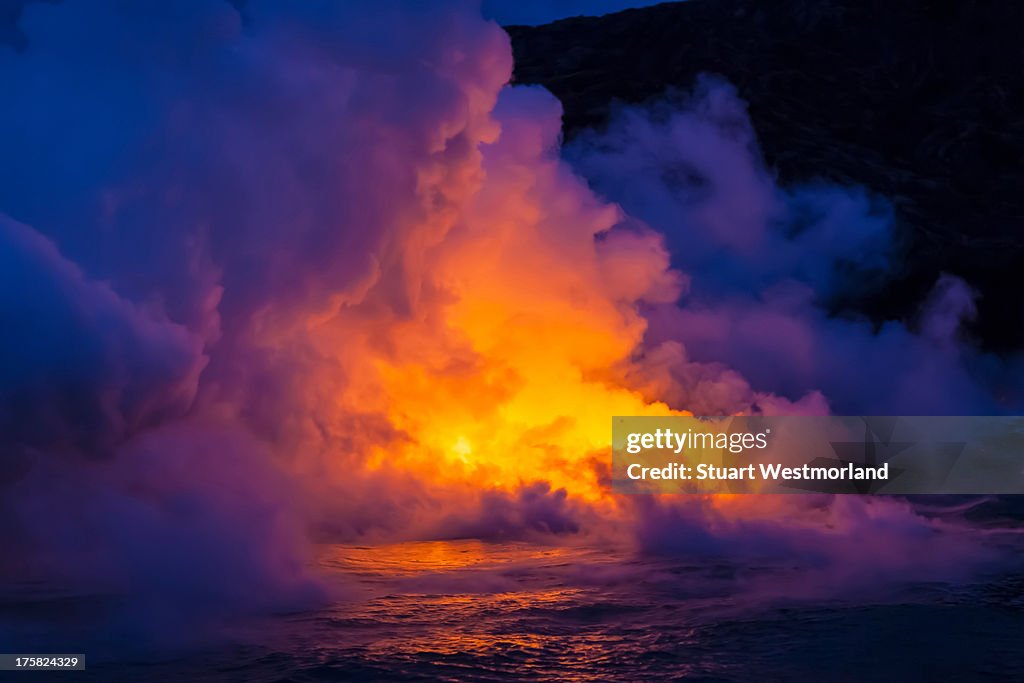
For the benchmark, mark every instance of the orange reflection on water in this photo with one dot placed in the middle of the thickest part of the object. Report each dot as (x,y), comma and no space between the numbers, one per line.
(403,560)
(504,611)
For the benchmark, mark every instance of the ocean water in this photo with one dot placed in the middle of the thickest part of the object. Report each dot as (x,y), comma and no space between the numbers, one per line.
(471,611)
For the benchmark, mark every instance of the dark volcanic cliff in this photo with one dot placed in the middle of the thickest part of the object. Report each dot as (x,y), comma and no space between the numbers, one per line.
(921,101)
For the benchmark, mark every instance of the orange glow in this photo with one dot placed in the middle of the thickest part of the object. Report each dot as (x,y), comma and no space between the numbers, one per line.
(502,365)
(510,382)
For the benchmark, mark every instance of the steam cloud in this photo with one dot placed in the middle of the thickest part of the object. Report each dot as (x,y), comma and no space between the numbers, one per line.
(768,262)
(311,270)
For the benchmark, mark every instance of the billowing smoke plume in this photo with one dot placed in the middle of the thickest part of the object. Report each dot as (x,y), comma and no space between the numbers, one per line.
(217,226)
(767,264)
(309,270)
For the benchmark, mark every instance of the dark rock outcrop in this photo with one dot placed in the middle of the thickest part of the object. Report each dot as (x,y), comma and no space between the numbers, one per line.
(921,101)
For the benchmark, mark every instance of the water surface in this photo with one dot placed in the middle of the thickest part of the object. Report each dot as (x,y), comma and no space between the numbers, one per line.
(471,611)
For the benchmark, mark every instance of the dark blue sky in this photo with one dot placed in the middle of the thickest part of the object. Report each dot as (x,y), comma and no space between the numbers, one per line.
(544,11)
